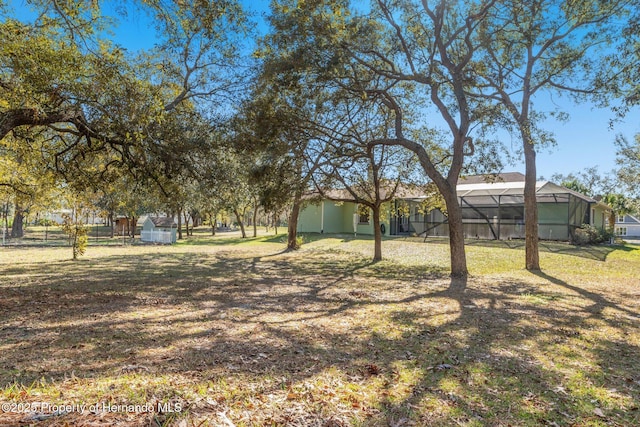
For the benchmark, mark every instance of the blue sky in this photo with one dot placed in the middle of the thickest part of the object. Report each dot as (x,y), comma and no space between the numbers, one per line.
(585,140)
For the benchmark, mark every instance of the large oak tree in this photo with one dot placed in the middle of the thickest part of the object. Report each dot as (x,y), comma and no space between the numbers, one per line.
(545,46)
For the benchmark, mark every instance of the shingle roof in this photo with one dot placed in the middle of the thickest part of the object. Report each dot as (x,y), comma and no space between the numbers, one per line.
(494,177)
(163,222)
(404,191)
(502,184)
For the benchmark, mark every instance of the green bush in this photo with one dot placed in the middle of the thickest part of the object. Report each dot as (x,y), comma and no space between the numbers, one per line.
(590,235)
(77,233)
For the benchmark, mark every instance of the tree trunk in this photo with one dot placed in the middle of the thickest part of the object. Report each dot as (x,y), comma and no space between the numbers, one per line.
(186,222)
(240,223)
(179,224)
(74,244)
(292,238)
(17,229)
(112,224)
(612,222)
(255,224)
(213,219)
(447,189)
(532,257)
(134,222)
(456,236)
(5,217)
(377,234)
(275,224)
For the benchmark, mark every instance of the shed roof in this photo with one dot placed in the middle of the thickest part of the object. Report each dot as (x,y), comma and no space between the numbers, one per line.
(163,222)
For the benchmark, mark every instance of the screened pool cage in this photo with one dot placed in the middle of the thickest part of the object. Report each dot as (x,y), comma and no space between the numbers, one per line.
(496,211)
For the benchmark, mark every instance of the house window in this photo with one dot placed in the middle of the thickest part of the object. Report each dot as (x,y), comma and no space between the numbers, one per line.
(416,214)
(620,218)
(363,216)
(621,231)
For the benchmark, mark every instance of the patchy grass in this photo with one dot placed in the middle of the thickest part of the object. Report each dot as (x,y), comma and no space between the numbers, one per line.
(225,331)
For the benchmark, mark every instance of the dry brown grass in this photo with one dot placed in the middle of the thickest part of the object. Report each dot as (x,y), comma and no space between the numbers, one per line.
(242,333)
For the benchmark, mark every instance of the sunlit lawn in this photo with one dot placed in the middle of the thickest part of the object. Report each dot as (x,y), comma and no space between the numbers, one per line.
(227,331)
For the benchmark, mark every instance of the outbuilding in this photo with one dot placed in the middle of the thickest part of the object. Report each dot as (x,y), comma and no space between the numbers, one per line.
(159,230)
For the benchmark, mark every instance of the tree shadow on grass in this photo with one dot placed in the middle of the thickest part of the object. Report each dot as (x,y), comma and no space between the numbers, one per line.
(309,338)
(221,240)
(594,252)
(598,302)
(524,363)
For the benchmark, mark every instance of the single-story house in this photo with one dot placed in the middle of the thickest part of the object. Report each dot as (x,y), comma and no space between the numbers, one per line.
(159,230)
(328,216)
(490,210)
(627,226)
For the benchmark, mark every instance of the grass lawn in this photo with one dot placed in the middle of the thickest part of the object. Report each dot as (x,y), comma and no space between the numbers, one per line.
(230,332)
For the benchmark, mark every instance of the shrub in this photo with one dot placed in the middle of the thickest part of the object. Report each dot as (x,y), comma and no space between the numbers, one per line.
(77,233)
(589,235)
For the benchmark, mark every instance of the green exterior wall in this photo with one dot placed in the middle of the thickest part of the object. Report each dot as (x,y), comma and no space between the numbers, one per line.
(309,218)
(600,217)
(334,213)
(338,218)
(348,209)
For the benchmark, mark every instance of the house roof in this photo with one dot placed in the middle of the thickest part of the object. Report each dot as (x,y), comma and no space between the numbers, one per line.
(515,188)
(404,191)
(163,222)
(488,186)
(634,220)
(492,178)
(512,184)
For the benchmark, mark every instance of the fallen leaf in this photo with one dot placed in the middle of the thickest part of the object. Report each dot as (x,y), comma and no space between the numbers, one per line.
(440,367)
(372,369)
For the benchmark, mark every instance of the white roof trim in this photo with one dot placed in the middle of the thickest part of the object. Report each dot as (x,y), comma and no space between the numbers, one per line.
(637,221)
(490,186)
(515,188)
